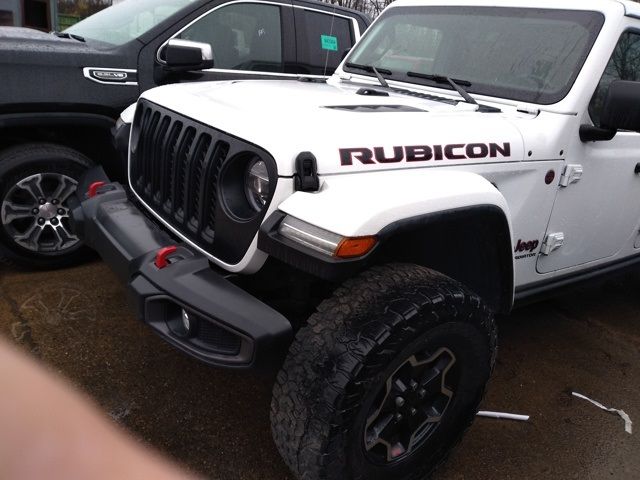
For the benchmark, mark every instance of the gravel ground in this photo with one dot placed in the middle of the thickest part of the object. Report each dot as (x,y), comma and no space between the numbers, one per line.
(216,422)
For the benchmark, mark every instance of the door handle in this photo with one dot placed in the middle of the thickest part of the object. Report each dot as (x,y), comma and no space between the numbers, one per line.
(637,169)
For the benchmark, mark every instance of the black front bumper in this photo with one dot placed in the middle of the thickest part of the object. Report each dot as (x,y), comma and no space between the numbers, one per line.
(229,326)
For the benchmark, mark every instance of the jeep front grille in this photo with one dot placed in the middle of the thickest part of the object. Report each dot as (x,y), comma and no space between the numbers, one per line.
(175,167)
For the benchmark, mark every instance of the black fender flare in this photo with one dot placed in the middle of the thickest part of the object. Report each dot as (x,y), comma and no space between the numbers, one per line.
(490,252)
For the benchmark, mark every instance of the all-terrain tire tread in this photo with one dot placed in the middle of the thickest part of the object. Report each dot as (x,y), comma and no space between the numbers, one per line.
(306,413)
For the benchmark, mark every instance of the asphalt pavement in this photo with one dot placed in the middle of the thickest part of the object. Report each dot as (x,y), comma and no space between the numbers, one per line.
(216,422)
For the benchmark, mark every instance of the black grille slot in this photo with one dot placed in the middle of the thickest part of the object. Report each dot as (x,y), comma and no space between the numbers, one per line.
(180,172)
(221,151)
(195,180)
(177,168)
(170,147)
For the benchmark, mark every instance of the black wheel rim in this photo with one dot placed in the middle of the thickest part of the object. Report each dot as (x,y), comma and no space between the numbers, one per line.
(35,215)
(409,406)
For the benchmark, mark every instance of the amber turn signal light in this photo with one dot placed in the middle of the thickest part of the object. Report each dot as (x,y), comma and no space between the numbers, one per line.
(355,247)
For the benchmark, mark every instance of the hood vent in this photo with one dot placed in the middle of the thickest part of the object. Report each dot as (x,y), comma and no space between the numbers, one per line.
(376,108)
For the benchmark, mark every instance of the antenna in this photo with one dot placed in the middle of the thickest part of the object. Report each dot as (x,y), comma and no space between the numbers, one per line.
(333,18)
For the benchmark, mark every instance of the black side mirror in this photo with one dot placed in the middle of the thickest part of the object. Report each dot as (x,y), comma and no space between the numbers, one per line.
(620,111)
(622,106)
(185,55)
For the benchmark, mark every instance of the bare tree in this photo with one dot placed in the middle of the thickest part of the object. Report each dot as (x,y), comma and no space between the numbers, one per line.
(371,7)
(625,62)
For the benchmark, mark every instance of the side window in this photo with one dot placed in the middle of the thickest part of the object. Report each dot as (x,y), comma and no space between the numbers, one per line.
(624,64)
(244,36)
(325,37)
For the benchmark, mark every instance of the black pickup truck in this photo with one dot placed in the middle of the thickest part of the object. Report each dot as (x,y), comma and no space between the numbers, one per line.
(61,92)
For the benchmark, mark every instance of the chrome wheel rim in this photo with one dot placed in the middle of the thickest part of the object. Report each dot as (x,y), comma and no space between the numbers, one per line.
(409,407)
(35,215)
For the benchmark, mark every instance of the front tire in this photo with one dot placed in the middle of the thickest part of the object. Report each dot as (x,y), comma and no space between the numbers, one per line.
(36,181)
(385,378)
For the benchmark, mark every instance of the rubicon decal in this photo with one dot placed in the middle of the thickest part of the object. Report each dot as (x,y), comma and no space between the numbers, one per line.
(424,153)
(526,246)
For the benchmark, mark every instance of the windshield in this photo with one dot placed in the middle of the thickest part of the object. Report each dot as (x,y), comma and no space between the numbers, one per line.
(126,21)
(529,55)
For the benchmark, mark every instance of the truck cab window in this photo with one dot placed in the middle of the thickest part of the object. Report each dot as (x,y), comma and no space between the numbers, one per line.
(322,38)
(624,64)
(242,36)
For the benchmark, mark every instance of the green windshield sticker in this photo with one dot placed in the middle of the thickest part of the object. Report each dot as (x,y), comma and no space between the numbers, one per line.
(329,43)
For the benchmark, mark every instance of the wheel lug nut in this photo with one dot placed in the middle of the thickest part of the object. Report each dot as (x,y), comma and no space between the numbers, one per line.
(35,211)
(422,393)
(61,211)
(414,385)
(42,201)
(413,411)
(54,221)
(54,201)
(41,221)
(398,417)
(399,401)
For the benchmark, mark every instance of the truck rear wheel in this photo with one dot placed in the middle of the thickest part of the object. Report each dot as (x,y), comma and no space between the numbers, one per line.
(385,378)
(36,181)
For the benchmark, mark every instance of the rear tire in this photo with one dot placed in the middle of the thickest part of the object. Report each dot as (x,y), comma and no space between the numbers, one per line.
(36,180)
(351,400)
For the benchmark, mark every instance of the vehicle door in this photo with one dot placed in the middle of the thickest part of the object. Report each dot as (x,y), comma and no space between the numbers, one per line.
(598,214)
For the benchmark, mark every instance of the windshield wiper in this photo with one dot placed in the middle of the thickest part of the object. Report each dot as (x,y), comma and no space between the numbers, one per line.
(69,35)
(454,82)
(376,71)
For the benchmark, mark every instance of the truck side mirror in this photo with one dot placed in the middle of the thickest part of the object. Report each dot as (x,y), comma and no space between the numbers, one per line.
(620,111)
(185,55)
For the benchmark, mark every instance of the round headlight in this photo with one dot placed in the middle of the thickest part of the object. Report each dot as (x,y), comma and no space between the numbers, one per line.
(256,184)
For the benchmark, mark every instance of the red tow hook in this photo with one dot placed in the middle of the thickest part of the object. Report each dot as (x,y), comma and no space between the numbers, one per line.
(93,189)
(162,257)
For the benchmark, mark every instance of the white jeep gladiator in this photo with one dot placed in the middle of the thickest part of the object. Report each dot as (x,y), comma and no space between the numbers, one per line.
(361,233)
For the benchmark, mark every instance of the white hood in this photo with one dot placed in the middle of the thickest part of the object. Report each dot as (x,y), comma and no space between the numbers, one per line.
(289,117)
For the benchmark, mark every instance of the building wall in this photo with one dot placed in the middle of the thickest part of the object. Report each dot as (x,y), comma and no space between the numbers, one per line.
(16,8)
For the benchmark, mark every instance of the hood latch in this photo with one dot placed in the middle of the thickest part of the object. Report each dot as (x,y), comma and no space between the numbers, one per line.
(306,177)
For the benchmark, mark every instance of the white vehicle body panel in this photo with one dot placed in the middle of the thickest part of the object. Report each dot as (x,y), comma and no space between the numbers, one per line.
(127,114)
(285,106)
(369,202)
(600,215)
